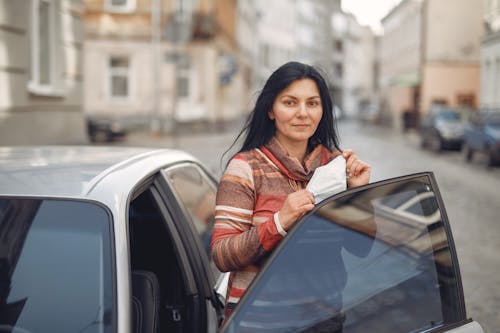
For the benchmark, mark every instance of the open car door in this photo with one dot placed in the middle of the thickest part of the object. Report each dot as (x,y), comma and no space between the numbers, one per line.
(378,258)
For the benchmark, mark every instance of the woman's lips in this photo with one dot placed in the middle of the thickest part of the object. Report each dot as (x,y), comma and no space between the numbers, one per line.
(301,125)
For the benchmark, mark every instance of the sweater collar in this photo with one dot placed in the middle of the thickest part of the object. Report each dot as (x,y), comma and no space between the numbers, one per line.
(291,166)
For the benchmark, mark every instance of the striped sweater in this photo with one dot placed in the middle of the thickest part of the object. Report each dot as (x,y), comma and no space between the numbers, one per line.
(253,188)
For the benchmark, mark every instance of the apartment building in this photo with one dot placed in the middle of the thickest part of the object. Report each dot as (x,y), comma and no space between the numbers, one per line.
(352,63)
(160,63)
(41,77)
(430,55)
(490,56)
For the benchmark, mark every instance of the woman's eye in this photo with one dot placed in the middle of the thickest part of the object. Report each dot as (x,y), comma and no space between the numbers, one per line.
(313,103)
(289,103)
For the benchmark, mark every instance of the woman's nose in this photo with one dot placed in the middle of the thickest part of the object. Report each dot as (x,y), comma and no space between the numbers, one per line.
(302,111)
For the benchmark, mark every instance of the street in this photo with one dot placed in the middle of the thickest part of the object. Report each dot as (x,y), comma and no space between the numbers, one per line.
(470,192)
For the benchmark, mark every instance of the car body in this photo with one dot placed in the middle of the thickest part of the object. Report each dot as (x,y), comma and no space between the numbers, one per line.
(369,114)
(441,128)
(104,130)
(116,239)
(482,135)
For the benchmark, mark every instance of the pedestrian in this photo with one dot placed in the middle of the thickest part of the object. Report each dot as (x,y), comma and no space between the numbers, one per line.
(262,193)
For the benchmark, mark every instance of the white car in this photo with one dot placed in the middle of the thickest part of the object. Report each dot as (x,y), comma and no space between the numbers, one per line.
(114,239)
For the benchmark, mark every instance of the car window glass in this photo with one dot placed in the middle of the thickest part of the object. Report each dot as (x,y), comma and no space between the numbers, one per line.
(474,119)
(358,264)
(197,192)
(449,115)
(56,267)
(494,120)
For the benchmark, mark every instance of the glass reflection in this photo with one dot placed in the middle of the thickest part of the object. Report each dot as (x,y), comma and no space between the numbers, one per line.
(55,269)
(376,260)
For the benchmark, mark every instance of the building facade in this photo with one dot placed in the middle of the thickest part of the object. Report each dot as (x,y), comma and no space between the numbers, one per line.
(313,31)
(490,56)
(352,63)
(162,62)
(41,77)
(401,60)
(430,55)
(275,37)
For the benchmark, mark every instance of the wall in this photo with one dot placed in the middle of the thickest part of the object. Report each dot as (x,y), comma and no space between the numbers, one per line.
(400,100)
(400,59)
(447,81)
(453,30)
(401,43)
(30,116)
(490,56)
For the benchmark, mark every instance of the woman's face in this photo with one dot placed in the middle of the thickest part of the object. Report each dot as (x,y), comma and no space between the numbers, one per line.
(297,111)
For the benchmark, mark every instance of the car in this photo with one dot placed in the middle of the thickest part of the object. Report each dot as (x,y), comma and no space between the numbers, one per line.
(482,135)
(116,239)
(369,114)
(441,128)
(104,130)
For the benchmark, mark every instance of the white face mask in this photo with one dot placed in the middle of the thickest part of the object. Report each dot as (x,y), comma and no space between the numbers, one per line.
(328,179)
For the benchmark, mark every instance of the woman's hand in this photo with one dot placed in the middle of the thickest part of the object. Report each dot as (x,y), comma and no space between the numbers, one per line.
(296,205)
(358,172)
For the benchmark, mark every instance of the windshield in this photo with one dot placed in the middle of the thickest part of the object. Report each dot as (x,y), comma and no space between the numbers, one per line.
(494,120)
(56,266)
(449,116)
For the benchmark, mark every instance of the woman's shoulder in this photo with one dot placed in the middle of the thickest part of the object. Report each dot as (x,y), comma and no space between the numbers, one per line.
(248,156)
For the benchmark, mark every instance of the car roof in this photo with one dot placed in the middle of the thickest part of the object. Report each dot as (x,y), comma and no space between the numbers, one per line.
(79,171)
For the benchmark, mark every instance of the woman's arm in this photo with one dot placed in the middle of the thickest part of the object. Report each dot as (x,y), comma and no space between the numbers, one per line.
(236,241)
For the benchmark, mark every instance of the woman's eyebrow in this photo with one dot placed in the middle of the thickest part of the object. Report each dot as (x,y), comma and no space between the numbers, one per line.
(293,96)
(288,96)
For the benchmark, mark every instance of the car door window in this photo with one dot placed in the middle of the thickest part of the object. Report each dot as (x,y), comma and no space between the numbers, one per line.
(57,268)
(196,192)
(372,260)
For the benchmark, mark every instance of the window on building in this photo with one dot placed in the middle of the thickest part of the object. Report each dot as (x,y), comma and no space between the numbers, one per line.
(265,54)
(122,6)
(119,76)
(339,46)
(44,55)
(183,75)
(339,70)
(497,83)
(466,100)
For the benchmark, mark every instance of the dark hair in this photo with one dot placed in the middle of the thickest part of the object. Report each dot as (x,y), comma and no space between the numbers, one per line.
(259,128)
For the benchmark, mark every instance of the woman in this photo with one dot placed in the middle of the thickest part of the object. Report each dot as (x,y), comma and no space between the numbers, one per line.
(262,193)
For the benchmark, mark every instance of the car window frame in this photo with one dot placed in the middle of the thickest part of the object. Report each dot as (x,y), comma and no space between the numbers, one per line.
(115,321)
(204,278)
(446,225)
(181,210)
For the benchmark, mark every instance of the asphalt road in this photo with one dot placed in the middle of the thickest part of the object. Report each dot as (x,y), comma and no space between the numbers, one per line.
(471,193)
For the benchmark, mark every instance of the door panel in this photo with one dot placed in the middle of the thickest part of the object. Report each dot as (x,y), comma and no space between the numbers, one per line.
(373,259)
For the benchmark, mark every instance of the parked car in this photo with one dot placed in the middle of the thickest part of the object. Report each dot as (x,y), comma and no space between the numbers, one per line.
(441,128)
(104,130)
(99,239)
(369,114)
(482,135)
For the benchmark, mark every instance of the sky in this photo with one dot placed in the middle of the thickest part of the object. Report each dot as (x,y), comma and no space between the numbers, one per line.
(369,12)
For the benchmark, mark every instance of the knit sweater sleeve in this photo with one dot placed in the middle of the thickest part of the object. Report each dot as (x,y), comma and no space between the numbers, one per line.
(236,241)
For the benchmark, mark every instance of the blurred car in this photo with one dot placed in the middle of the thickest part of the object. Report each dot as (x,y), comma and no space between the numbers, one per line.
(104,130)
(482,135)
(441,128)
(369,114)
(100,239)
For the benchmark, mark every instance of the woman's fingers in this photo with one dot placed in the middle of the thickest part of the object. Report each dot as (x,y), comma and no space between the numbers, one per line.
(295,206)
(357,170)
